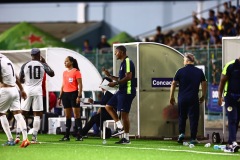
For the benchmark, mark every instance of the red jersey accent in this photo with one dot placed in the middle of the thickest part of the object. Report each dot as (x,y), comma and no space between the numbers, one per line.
(70,83)
(44,85)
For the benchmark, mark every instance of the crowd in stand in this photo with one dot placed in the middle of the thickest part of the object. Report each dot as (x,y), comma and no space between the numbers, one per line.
(204,31)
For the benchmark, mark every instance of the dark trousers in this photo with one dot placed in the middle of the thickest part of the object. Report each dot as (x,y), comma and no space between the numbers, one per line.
(233,113)
(188,109)
(98,119)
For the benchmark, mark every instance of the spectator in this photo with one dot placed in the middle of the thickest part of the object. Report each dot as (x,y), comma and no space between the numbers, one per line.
(211,15)
(159,37)
(87,48)
(103,45)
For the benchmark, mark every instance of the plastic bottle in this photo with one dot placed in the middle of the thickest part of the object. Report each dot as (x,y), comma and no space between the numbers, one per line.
(191,145)
(185,143)
(217,147)
(207,145)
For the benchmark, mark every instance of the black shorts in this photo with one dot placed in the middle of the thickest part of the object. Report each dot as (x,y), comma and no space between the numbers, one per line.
(69,99)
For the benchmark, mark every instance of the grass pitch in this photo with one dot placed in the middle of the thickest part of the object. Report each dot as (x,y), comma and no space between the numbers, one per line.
(92,148)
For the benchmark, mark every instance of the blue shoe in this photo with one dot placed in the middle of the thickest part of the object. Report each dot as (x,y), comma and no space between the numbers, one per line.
(9,143)
(181,138)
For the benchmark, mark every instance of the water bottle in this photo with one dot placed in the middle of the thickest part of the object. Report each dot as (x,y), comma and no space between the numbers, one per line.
(217,147)
(191,145)
(185,143)
(207,145)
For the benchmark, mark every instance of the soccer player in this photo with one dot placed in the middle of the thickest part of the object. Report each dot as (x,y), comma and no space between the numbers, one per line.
(10,99)
(31,75)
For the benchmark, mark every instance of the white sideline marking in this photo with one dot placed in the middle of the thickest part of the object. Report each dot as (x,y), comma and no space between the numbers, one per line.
(158,149)
(138,148)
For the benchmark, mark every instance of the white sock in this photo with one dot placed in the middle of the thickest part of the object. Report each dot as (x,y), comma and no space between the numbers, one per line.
(6,128)
(119,124)
(18,129)
(126,135)
(21,123)
(36,125)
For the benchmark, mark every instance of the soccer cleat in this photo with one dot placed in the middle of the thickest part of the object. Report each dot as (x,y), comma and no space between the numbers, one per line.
(9,143)
(123,141)
(25,143)
(17,140)
(65,138)
(79,138)
(181,138)
(34,140)
(117,132)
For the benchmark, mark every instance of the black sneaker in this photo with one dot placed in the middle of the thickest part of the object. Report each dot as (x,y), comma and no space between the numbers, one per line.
(79,138)
(118,131)
(65,138)
(181,138)
(123,141)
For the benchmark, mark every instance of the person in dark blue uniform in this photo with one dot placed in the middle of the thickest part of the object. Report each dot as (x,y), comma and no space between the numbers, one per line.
(230,83)
(124,96)
(189,78)
(102,114)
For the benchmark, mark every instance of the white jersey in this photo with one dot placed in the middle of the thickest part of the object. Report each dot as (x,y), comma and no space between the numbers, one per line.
(9,96)
(7,71)
(32,74)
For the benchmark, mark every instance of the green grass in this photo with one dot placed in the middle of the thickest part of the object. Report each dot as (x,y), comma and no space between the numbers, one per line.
(93,149)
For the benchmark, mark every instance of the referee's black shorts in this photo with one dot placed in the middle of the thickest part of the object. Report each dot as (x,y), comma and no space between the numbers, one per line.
(69,99)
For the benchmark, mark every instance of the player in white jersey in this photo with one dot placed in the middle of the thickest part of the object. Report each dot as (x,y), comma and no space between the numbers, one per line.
(31,75)
(10,99)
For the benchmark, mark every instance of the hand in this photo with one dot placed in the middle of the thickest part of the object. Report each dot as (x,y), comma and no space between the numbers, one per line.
(201,99)
(24,95)
(112,84)
(106,72)
(220,101)
(42,60)
(90,100)
(78,100)
(172,101)
(59,102)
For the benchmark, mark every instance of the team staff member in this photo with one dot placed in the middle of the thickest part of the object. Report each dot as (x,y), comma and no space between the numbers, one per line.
(124,97)
(189,79)
(102,115)
(10,99)
(70,94)
(230,83)
(31,74)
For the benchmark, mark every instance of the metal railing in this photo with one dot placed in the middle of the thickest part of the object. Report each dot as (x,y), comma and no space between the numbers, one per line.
(209,56)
